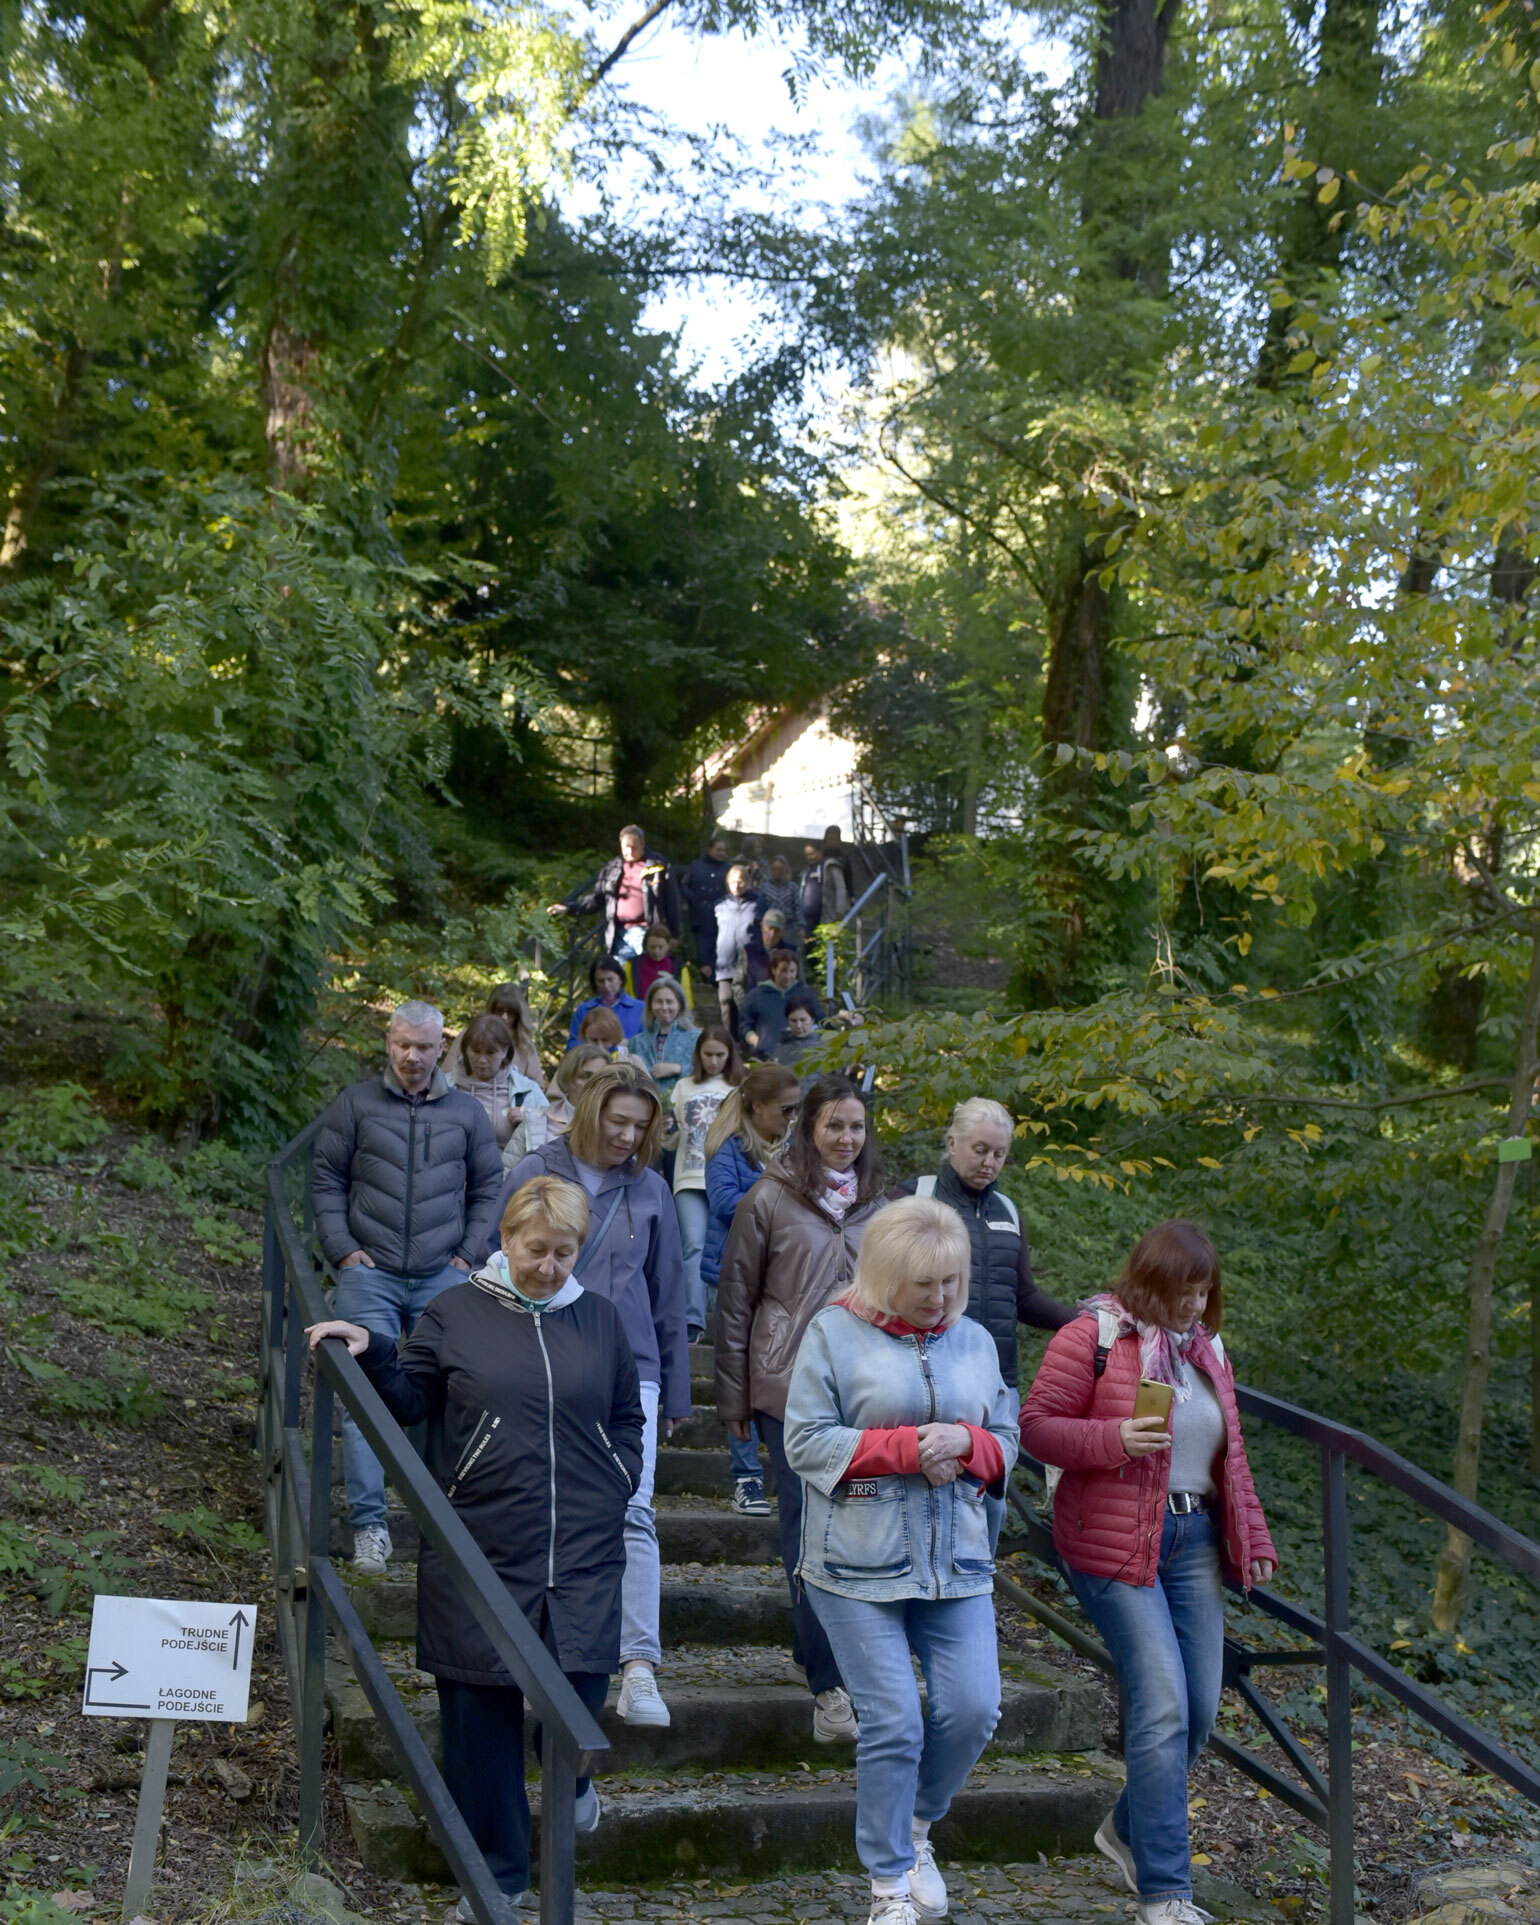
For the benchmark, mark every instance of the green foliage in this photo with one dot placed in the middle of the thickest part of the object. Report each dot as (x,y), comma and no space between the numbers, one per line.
(22,1765)
(231,1535)
(124,1396)
(126,1307)
(48,1124)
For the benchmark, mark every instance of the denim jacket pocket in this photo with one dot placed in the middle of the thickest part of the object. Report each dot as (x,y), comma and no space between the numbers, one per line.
(866,1531)
(970,1530)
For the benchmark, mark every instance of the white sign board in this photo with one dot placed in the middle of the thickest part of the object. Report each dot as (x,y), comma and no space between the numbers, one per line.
(154,1657)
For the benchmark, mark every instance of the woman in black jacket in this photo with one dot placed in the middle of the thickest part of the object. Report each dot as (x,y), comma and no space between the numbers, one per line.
(535,1434)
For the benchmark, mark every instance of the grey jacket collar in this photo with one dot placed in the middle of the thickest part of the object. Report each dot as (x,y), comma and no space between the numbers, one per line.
(438,1085)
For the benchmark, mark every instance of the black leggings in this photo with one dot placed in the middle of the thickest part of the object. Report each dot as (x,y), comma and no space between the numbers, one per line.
(483,1726)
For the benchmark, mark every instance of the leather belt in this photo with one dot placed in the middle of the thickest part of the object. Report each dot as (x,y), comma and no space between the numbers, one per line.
(1183,1503)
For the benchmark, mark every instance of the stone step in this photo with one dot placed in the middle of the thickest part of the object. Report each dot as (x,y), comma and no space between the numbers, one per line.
(694,1531)
(703,1370)
(731,1711)
(704,1473)
(725,1605)
(757,1825)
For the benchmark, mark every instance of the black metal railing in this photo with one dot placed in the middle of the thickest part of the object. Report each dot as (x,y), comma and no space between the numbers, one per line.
(310,1596)
(1323,1797)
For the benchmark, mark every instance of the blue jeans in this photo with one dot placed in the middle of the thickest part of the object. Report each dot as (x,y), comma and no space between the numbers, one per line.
(1167,1641)
(908,1764)
(693,1211)
(743,1454)
(385,1301)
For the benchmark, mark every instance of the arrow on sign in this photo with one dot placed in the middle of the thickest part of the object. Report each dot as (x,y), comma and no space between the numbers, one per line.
(238,1620)
(114,1671)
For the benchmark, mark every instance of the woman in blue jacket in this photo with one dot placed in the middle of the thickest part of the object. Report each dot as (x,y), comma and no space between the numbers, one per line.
(747,1131)
(607,979)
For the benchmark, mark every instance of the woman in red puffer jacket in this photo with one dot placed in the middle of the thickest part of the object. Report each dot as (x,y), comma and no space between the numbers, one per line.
(1147,1513)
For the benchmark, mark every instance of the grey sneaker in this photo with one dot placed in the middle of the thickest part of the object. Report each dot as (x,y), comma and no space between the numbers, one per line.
(1111,1846)
(524,1901)
(371,1549)
(749,1498)
(834,1718)
(588,1811)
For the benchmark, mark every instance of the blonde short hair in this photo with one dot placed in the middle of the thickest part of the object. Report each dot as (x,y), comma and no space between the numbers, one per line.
(912,1238)
(615,1079)
(980,1109)
(561,1206)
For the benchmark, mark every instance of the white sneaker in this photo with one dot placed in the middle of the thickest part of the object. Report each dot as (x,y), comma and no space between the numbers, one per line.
(1111,1846)
(834,1718)
(586,1816)
(898,1910)
(371,1547)
(927,1888)
(640,1702)
(1172,1911)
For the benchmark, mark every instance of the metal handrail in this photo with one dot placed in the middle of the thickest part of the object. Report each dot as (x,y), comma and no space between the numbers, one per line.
(308,1589)
(1325,1798)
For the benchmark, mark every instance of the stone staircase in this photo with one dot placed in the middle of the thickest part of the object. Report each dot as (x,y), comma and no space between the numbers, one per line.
(736,1784)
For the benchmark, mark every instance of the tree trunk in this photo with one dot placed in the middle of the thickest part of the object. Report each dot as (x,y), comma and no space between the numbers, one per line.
(1453,1574)
(1347,73)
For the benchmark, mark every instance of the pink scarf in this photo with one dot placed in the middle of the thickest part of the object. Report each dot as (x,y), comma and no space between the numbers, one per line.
(840,1190)
(1161,1351)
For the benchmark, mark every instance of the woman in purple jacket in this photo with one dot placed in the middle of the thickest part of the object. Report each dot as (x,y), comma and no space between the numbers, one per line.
(633,1256)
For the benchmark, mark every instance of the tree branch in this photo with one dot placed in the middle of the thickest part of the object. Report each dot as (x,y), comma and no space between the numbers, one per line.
(623,45)
(1383,1103)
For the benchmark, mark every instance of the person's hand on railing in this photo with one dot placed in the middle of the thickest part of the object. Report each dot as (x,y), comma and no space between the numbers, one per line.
(556,909)
(353,1335)
(1144,1436)
(355,1257)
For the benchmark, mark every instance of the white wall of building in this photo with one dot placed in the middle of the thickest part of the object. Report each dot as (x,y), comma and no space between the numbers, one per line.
(797,784)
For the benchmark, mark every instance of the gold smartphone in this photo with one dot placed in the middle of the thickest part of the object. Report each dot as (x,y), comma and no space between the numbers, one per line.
(1153,1400)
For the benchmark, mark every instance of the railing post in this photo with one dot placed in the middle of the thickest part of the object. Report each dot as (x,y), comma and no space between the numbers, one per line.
(312,1722)
(558,1834)
(1339,1684)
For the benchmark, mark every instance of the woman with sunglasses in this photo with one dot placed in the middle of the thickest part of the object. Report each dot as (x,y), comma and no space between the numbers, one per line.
(792,1248)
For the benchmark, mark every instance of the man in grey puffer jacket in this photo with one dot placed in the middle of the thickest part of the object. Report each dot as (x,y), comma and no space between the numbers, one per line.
(405,1183)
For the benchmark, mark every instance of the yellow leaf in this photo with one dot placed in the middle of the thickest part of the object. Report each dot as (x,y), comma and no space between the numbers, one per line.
(1401,1644)
(1210,1163)
(1201,1858)
(1239,989)
(1330,191)
(1272,992)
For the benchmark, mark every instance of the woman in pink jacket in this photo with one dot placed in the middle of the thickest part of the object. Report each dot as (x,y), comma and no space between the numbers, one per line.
(1148,1512)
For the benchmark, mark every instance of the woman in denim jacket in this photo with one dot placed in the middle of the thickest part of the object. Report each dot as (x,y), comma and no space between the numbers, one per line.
(898,1424)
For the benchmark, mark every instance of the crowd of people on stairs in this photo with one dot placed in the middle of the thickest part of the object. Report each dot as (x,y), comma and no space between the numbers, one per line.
(522,1264)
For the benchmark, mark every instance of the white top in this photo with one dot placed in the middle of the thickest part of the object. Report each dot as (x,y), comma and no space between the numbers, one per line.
(695,1106)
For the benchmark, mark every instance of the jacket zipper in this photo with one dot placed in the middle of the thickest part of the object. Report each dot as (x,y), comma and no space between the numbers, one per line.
(406,1214)
(614,1456)
(930,1492)
(550,1444)
(480,1438)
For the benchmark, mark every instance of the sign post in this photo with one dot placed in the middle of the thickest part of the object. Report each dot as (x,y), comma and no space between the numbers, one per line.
(165,1659)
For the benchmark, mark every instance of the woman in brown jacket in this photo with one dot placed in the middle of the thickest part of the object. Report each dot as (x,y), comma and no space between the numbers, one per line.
(792,1248)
